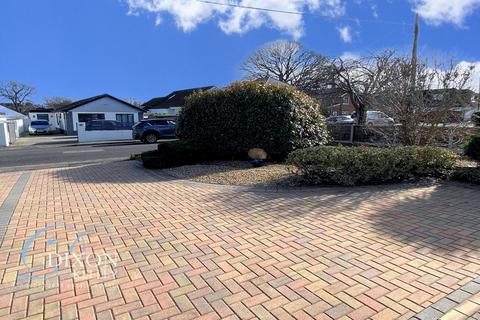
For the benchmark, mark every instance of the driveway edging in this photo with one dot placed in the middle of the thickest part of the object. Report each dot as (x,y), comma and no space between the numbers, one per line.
(9,204)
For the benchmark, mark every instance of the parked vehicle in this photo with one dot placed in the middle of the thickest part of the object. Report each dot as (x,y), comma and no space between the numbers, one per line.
(340,120)
(149,131)
(376,118)
(39,126)
(101,125)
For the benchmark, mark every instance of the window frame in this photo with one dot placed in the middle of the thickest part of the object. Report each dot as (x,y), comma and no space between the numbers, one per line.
(42,116)
(128,116)
(94,116)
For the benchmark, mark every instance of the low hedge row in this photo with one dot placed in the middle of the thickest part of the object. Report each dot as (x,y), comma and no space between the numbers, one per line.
(350,166)
(174,154)
(468,175)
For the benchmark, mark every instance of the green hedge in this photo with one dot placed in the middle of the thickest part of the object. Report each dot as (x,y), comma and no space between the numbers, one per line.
(174,154)
(350,166)
(472,147)
(468,175)
(250,115)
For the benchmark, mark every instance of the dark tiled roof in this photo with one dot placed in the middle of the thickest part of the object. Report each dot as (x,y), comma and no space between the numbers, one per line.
(82,102)
(40,110)
(174,99)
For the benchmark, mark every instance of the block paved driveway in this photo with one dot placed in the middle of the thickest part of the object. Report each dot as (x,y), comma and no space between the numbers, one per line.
(184,250)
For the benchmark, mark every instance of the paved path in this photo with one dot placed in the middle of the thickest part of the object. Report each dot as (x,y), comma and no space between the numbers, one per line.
(164,248)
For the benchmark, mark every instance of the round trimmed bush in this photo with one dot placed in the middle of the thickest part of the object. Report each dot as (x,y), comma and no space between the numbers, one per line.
(250,114)
(472,147)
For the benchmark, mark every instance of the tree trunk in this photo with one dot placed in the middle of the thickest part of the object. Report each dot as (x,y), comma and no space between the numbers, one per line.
(362,115)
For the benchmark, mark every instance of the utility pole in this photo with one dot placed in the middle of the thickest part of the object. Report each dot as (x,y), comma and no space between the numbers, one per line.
(414,51)
(413,80)
(478,97)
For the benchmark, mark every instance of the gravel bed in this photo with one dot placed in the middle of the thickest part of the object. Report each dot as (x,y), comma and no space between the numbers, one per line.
(239,173)
(466,163)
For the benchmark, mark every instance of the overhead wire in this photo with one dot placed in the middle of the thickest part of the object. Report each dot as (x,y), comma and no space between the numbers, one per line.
(233,5)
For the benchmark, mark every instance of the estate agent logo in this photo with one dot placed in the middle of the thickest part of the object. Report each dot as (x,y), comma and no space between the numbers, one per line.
(76,258)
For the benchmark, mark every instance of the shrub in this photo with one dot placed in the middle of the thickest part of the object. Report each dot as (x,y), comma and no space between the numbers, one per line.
(476,118)
(174,154)
(249,115)
(365,165)
(472,147)
(468,175)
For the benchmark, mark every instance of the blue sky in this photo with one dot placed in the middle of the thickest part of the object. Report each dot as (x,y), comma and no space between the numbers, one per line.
(147,48)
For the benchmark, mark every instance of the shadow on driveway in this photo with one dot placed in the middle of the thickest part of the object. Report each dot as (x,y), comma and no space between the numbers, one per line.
(439,218)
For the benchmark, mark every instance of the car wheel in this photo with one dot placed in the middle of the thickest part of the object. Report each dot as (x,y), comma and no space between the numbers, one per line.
(150,138)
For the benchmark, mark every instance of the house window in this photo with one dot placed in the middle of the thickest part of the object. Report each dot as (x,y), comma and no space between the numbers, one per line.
(42,116)
(125,118)
(85,117)
(346,100)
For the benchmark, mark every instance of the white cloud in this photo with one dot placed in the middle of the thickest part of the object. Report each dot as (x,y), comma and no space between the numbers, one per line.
(463,66)
(374,10)
(442,11)
(474,81)
(347,55)
(188,14)
(345,34)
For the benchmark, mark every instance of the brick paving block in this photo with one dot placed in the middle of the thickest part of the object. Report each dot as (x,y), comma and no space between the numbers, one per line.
(444,305)
(362,313)
(459,296)
(454,315)
(339,311)
(429,314)
(472,287)
(386,314)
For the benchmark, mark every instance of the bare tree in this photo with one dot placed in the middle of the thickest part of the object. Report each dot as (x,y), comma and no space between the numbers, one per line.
(287,62)
(56,102)
(362,79)
(425,106)
(134,101)
(16,93)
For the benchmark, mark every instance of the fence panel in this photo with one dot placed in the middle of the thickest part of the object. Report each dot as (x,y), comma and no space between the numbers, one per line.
(450,136)
(102,135)
(341,133)
(12,129)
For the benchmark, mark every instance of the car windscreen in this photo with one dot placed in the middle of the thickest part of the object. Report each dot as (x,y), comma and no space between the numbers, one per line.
(142,124)
(39,123)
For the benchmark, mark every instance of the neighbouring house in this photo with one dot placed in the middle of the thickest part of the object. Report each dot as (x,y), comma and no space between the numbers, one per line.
(101,107)
(18,120)
(43,114)
(335,102)
(171,104)
(461,103)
